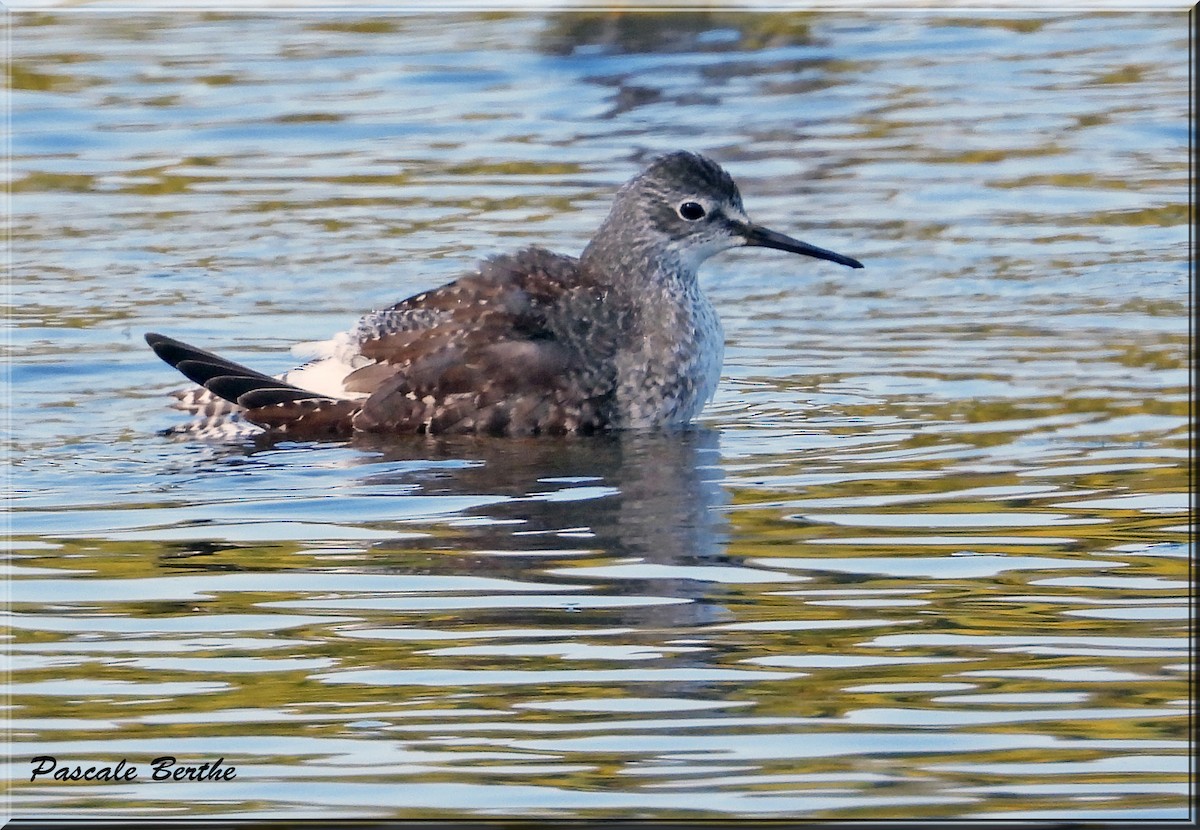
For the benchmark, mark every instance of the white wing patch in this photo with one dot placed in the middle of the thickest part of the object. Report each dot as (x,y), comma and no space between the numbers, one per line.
(334,360)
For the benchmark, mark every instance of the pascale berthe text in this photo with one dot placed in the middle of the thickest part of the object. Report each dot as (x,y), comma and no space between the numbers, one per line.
(163,768)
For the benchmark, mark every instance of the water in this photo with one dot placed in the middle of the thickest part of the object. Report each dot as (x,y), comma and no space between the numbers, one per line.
(926,555)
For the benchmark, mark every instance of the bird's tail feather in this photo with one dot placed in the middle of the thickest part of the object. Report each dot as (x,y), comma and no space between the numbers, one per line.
(267,401)
(234,382)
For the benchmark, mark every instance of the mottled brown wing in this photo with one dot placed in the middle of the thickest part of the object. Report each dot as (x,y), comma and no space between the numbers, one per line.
(497,355)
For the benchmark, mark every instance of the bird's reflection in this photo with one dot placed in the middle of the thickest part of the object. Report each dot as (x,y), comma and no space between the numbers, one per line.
(646,495)
(537,510)
(628,497)
(651,496)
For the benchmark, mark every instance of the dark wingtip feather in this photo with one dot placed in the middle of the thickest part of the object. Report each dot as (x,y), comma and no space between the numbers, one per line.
(174,352)
(230,387)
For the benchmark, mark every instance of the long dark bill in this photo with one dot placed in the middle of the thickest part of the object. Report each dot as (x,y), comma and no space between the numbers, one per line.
(760,237)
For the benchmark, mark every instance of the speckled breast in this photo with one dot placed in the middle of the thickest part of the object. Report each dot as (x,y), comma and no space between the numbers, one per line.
(667,375)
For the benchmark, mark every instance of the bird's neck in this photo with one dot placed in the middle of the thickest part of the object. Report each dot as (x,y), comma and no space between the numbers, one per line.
(621,258)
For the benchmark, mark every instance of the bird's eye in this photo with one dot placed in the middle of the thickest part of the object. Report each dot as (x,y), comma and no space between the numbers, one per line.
(691,211)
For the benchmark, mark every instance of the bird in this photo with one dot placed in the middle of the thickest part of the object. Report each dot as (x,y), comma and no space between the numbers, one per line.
(528,343)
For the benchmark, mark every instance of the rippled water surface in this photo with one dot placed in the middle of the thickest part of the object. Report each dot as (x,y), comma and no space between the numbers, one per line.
(926,555)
